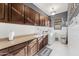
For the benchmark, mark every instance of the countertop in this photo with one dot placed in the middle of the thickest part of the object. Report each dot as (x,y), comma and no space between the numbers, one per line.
(5,43)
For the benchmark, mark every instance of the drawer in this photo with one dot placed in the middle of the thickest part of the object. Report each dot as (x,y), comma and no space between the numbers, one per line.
(16,47)
(31,44)
(4,52)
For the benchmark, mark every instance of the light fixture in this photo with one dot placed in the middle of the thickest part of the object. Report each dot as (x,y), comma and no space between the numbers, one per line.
(53,12)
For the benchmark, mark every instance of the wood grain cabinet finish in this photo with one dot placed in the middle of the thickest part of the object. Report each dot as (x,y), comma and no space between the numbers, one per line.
(26,48)
(18,50)
(4,52)
(16,47)
(45,41)
(3,12)
(37,19)
(17,11)
(32,47)
(28,17)
(42,42)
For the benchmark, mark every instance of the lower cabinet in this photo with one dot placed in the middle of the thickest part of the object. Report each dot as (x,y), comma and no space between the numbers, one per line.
(32,47)
(25,49)
(4,52)
(45,41)
(42,42)
(18,50)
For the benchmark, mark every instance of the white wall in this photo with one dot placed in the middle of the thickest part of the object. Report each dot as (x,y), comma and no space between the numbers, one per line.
(73,36)
(73,40)
(6,28)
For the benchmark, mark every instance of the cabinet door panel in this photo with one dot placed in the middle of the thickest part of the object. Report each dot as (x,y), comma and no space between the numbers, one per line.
(3,52)
(17,13)
(29,15)
(32,14)
(2,12)
(42,20)
(16,47)
(32,47)
(32,50)
(37,18)
(19,52)
(19,7)
(26,9)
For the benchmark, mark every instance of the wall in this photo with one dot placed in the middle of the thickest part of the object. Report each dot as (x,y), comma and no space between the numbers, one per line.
(35,8)
(73,13)
(64,17)
(6,28)
(73,36)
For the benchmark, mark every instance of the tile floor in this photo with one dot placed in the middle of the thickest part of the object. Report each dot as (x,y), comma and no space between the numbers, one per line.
(58,49)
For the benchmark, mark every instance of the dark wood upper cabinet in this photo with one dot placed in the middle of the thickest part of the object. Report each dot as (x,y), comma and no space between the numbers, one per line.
(26,11)
(37,18)
(19,8)
(3,11)
(27,16)
(42,20)
(17,12)
(31,14)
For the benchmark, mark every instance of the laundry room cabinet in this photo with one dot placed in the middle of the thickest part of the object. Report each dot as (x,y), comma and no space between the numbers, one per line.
(19,13)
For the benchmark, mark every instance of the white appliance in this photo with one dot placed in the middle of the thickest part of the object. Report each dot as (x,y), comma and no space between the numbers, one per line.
(51,36)
(11,35)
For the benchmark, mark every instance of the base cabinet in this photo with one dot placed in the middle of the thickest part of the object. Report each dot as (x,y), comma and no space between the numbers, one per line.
(19,52)
(4,52)
(32,47)
(42,42)
(25,49)
(45,41)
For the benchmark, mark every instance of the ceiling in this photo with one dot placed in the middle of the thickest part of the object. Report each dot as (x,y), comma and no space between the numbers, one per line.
(47,7)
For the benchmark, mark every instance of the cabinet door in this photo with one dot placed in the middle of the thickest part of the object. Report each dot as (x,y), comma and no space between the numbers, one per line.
(42,20)
(32,50)
(17,13)
(19,52)
(29,15)
(45,41)
(32,47)
(37,19)
(47,21)
(26,10)
(2,12)
(40,43)
(4,52)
